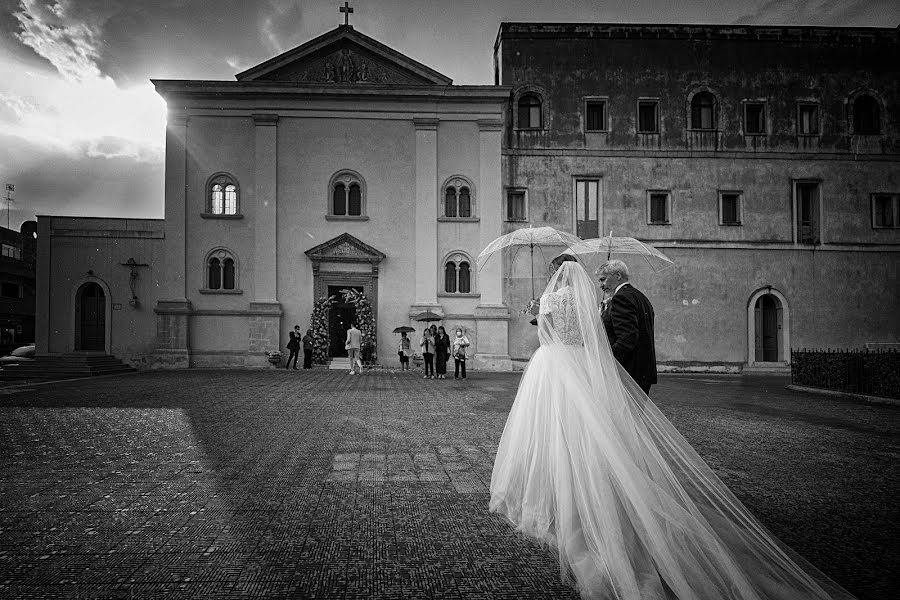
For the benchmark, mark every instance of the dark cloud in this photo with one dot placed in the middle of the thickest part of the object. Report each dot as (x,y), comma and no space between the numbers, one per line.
(836,13)
(70,183)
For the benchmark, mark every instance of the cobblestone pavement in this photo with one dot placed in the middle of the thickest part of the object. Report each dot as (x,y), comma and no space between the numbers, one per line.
(315,484)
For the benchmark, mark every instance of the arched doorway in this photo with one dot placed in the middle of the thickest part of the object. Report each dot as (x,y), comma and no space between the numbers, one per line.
(90,318)
(768,335)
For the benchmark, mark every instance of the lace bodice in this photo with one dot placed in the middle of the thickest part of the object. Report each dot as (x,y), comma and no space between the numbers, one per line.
(560,306)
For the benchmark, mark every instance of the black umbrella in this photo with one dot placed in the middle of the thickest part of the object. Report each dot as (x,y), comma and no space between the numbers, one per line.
(428,316)
(404,329)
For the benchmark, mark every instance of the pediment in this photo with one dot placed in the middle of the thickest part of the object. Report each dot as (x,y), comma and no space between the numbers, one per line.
(345,248)
(344,56)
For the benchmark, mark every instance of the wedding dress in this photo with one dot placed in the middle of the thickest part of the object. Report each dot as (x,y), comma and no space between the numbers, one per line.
(589,465)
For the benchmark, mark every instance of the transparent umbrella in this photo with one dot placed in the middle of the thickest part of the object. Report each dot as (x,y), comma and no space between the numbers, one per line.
(527,237)
(639,256)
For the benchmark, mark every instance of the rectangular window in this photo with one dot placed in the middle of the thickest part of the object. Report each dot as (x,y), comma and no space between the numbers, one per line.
(10,290)
(515,205)
(729,208)
(648,116)
(587,197)
(886,211)
(808,119)
(754,118)
(595,115)
(807,198)
(659,207)
(12,251)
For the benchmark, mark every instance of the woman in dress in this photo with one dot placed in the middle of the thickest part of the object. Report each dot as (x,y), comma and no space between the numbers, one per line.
(589,465)
(441,352)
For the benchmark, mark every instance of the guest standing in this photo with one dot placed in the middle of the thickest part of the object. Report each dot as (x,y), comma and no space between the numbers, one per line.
(354,339)
(403,350)
(441,352)
(308,343)
(427,345)
(294,347)
(460,343)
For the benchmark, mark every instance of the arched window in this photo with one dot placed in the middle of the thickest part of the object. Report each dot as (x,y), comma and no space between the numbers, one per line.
(530,112)
(221,270)
(450,202)
(457,274)
(222,195)
(339,200)
(704,110)
(465,202)
(458,201)
(450,278)
(464,279)
(228,274)
(214,268)
(866,115)
(347,193)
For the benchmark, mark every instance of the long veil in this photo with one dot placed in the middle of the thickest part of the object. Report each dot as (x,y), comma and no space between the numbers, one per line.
(588,464)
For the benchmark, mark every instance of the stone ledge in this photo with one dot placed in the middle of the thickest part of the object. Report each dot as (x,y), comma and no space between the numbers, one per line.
(846,395)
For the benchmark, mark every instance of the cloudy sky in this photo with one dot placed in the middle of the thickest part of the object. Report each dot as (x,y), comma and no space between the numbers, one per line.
(82,131)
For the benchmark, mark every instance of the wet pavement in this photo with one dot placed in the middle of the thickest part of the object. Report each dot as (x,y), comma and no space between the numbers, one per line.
(316,484)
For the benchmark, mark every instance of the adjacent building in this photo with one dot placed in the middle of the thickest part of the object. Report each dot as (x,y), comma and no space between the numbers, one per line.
(17,286)
(764,160)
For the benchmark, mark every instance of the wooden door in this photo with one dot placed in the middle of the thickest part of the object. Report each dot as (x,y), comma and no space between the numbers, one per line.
(93,318)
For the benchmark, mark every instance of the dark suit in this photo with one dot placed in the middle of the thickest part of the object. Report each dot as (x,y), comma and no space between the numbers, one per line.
(294,347)
(629,326)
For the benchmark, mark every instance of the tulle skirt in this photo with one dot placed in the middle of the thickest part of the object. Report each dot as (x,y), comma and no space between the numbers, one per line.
(634,513)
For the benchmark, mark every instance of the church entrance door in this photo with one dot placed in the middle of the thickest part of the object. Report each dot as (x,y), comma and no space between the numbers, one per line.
(339,319)
(93,318)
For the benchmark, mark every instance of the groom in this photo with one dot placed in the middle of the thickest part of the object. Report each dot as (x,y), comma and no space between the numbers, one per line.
(628,319)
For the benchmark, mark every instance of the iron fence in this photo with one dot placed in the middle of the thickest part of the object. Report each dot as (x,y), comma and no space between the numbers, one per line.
(870,372)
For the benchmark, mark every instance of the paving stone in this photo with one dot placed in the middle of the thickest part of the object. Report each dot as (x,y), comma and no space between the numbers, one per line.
(264,484)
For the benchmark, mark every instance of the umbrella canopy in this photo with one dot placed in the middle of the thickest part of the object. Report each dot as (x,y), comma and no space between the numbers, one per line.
(527,237)
(404,329)
(428,316)
(636,254)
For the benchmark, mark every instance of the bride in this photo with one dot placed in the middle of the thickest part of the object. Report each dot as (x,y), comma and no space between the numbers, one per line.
(589,465)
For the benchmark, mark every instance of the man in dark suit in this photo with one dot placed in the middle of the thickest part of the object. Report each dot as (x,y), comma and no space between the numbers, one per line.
(294,347)
(628,318)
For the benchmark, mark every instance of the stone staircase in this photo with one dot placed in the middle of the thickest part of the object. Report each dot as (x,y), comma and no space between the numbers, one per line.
(339,362)
(65,366)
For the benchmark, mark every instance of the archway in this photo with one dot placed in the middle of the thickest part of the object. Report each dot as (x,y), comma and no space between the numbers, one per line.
(90,318)
(768,328)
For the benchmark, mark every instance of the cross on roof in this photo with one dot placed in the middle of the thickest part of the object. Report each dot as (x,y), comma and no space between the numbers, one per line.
(346,10)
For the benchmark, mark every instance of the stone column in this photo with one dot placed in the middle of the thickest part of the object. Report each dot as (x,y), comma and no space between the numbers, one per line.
(173,310)
(491,315)
(426,217)
(265,311)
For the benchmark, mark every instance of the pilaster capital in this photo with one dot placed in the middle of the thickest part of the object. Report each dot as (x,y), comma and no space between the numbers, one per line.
(426,124)
(177,119)
(265,119)
(490,124)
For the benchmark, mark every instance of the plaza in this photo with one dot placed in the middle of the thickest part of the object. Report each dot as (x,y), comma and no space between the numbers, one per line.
(313,484)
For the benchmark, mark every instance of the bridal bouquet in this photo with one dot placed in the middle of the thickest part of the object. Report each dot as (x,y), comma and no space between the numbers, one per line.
(528,307)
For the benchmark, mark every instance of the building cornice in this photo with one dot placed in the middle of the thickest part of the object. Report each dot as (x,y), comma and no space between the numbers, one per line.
(194,89)
(658,31)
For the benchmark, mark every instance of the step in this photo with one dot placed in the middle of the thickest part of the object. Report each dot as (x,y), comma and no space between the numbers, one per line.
(65,366)
(339,363)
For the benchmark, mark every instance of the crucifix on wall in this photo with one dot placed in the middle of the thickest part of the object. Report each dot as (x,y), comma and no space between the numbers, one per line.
(132,278)
(346,10)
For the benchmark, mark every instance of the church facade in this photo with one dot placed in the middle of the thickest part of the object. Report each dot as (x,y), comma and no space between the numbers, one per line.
(342,164)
